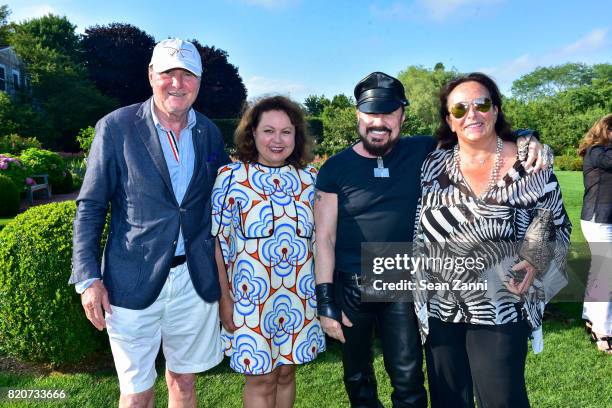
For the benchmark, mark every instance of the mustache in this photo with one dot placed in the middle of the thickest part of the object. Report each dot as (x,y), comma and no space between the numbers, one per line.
(378,128)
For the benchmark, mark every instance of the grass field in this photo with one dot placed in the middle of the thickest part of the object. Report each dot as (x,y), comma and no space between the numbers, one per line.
(569,373)
(4,221)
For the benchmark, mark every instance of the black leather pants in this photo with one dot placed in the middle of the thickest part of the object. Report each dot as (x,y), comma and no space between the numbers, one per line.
(402,353)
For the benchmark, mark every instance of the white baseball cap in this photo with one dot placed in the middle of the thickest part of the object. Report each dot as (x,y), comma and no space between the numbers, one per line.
(176,53)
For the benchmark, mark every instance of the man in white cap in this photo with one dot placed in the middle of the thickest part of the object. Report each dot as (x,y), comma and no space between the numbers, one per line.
(154,163)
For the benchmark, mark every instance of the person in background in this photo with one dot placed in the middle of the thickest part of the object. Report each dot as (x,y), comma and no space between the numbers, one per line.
(153,164)
(596,223)
(262,210)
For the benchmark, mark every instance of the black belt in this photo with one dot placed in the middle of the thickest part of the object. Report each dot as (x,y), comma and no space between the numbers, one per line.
(178,260)
(349,278)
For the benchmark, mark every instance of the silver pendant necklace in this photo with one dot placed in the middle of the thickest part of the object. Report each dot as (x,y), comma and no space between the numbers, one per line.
(380,171)
(494,170)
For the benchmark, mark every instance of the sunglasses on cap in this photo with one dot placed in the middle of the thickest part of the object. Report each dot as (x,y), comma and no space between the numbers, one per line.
(481,104)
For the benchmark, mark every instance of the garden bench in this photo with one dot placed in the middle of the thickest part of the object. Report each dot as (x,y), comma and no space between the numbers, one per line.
(39,186)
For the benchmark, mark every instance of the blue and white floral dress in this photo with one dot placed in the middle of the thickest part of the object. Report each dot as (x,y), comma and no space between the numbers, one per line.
(264,219)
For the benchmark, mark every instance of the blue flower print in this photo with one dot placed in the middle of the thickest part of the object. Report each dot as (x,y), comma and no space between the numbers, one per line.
(248,358)
(249,290)
(282,321)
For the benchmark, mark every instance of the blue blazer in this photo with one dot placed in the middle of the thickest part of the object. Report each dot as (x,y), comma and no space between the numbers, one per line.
(126,169)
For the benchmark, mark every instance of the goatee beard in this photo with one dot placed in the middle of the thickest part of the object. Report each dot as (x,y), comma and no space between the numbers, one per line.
(378,149)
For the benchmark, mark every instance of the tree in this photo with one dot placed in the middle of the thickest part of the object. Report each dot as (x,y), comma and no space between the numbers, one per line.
(342,101)
(315,104)
(422,88)
(117,56)
(339,129)
(563,116)
(51,32)
(548,81)
(4,26)
(61,91)
(222,92)
(19,117)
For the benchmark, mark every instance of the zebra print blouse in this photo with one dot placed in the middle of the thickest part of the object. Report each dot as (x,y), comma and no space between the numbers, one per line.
(452,221)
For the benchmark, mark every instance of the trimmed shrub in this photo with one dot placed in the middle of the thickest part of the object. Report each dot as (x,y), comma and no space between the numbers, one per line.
(567,162)
(42,317)
(9,197)
(12,168)
(40,161)
(15,144)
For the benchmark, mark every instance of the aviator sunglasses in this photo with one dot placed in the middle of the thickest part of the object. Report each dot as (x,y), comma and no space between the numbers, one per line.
(481,104)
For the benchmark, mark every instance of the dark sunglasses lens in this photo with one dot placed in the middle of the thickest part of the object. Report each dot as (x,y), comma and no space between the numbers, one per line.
(483,104)
(458,110)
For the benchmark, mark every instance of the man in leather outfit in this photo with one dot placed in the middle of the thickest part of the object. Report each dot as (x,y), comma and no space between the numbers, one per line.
(369,193)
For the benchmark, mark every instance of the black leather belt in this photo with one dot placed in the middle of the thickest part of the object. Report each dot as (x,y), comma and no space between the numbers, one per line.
(178,260)
(350,278)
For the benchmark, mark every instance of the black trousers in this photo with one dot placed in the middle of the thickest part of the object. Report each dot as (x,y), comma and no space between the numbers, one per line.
(490,360)
(402,353)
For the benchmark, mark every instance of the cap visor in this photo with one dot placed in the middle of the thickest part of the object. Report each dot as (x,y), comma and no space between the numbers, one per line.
(159,68)
(378,106)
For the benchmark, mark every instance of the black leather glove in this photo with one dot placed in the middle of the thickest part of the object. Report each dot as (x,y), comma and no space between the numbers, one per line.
(326,305)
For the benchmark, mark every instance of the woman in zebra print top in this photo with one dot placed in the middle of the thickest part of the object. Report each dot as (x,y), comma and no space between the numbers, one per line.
(481,201)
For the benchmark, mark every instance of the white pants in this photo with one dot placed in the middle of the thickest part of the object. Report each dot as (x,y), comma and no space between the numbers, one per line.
(187,327)
(598,297)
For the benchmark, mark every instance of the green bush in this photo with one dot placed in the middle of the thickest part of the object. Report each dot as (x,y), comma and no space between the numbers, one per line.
(567,162)
(40,161)
(9,197)
(42,317)
(14,169)
(15,144)
(85,137)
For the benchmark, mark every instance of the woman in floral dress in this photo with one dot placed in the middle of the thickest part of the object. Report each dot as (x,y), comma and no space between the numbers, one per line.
(262,216)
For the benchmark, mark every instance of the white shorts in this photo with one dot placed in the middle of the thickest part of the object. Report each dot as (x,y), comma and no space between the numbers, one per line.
(187,327)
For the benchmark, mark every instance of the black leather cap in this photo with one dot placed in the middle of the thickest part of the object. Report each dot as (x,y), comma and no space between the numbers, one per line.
(379,93)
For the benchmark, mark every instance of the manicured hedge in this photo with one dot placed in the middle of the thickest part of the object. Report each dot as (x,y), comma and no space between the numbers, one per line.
(41,315)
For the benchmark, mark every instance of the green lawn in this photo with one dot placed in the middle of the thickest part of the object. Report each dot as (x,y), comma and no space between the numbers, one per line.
(572,190)
(4,221)
(569,373)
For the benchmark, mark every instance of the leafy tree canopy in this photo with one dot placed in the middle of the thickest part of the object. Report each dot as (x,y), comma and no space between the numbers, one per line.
(222,92)
(50,32)
(117,56)
(4,25)
(315,104)
(548,81)
(422,88)
(61,90)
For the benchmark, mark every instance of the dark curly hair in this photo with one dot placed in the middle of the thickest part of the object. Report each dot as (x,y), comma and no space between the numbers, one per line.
(243,136)
(445,136)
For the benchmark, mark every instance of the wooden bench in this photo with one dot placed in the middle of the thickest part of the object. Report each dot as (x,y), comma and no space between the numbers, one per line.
(39,186)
